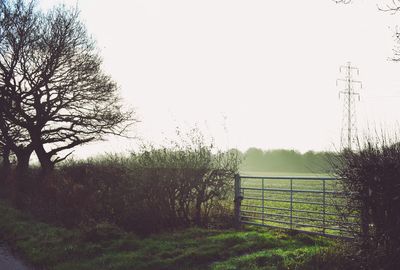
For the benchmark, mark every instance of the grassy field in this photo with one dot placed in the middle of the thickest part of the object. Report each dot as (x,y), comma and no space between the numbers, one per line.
(107,247)
(311,209)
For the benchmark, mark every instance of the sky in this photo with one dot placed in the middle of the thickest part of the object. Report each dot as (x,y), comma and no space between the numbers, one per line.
(246,73)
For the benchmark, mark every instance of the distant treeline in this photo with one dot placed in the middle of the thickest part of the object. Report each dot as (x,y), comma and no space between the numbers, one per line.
(255,159)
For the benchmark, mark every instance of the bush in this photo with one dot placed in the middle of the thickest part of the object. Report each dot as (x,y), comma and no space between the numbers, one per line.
(163,188)
(371,176)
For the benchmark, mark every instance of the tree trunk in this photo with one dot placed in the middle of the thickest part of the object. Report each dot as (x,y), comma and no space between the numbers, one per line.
(6,166)
(23,156)
(21,172)
(44,158)
(6,159)
(199,201)
(197,218)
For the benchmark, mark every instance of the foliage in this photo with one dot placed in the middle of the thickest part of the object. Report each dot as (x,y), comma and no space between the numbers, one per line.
(188,184)
(371,177)
(57,248)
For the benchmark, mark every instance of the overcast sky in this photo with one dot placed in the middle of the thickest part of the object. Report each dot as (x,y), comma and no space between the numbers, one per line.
(248,73)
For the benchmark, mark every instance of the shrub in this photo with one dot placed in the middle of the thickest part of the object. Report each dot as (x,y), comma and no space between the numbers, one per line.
(371,177)
(157,188)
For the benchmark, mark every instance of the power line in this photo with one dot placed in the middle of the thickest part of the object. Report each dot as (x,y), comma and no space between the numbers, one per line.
(375,97)
(349,123)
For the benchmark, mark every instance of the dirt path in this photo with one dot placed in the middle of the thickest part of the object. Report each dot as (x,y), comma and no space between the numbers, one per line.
(9,262)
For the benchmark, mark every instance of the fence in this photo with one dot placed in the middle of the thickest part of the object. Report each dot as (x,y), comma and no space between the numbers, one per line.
(308,204)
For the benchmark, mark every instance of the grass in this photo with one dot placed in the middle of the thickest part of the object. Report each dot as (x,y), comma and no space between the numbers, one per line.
(104,246)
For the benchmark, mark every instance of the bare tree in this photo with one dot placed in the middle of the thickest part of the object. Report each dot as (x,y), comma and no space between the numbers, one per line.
(51,81)
(392,6)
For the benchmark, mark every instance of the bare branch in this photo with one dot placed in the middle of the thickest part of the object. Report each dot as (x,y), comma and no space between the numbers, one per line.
(342,1)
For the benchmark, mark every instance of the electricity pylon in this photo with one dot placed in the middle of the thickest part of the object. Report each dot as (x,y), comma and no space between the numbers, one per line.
(349,123)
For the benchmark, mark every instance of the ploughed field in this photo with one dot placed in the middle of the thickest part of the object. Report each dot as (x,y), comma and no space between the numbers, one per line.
(302,201)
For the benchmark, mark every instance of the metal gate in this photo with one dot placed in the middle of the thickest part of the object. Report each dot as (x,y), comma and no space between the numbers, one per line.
(307,204)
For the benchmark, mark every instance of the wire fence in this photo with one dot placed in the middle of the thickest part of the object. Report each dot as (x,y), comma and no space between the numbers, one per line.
(307,204)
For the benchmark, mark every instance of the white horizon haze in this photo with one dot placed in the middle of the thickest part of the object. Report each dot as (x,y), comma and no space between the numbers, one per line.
(247,73)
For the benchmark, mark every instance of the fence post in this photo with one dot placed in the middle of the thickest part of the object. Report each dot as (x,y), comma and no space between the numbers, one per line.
(263,202)
(237,201)
(324,206)
(291,203)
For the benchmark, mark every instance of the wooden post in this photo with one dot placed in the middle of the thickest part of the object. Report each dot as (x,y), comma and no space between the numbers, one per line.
(237,201)
(324,206)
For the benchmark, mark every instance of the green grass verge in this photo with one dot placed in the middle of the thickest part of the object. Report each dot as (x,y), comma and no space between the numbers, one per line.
(106,247)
